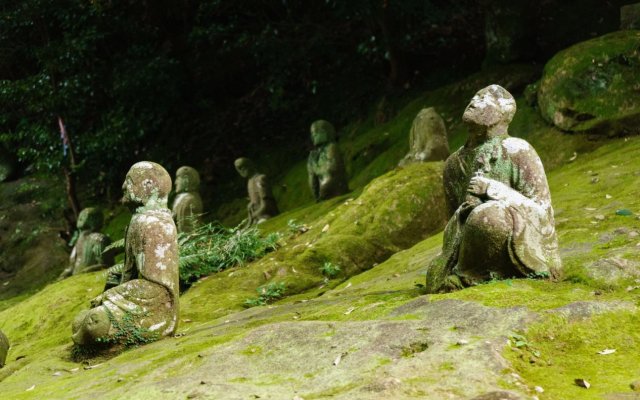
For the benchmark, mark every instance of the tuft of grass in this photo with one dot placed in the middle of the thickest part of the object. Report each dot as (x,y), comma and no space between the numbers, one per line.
(330,270)
(267,294)
(213,248)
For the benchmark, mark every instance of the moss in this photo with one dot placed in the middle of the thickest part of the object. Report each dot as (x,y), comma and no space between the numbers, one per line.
(589,86)
(568,351)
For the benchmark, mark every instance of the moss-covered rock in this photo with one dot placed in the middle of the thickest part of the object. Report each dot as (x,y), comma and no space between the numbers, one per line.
(593,85)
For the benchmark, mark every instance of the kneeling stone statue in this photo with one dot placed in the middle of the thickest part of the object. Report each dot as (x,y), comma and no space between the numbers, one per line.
(4,348)
(502,222)
(147,295)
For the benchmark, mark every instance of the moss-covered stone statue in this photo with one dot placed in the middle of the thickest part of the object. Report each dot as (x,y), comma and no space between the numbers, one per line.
(4,348)
(427,138)
(262,204)
(327,176)
(87,253)
(502,223)
(146,300)
(187,205)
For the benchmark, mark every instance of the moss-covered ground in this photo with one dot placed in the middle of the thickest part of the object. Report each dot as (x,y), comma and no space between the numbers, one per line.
(371,332)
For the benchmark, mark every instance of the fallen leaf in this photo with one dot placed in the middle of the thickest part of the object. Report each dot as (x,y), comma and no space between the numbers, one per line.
(608,196)
(582,383)
(607,351)
(462,342)
(338,359)
(574,156)
(349,311)
(539,389)
(31,388)
(326,228)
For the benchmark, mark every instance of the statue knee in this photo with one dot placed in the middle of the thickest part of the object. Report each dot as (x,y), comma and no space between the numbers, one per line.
(490,218)
(91,325)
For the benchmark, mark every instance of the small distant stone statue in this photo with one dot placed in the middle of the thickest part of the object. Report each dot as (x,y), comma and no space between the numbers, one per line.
(262,204)
(630,16)
(187,205)
(4,348)
(327,176)
(427,139)
(502,222)
(87,253)
(147,295)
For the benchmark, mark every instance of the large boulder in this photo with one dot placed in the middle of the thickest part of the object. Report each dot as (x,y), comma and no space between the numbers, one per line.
(593,86)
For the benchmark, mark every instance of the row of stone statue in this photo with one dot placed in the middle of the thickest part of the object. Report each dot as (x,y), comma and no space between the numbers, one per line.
(327,179)
(501,226)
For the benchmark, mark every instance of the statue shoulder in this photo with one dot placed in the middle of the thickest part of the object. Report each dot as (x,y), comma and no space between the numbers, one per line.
(514,146)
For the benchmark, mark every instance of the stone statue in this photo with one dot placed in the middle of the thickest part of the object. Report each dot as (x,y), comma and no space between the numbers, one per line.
(262,205)
(327,176)
(4,348)
(630,16)
(147,295)
(187,205)
(502,223)
(87,253)
(427,139)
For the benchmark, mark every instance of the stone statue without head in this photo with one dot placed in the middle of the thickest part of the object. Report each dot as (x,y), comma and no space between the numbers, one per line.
(187,205)
(147,295)
(502,223)
(4,349)
(87,253)
(327,176)
(427,139)
(262,204)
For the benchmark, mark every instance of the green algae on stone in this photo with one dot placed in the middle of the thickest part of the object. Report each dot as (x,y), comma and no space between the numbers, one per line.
(592,86)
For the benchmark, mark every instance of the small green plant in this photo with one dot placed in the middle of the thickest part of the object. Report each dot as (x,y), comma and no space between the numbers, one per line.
(213,248)
(330,270)
(267,294)
(127,332)
(294,227)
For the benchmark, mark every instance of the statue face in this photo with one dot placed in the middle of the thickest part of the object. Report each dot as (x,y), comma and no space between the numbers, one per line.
(90,219)
(182,183)
(129,198)
(322,132)
(244,168)
(490,106)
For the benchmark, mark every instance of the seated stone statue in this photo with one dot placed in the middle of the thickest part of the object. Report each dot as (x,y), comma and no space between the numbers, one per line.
(427,139)
(87,253)
(187,205)
(262,205)
(327,176)
(4,348)
(147,295)
(502,223)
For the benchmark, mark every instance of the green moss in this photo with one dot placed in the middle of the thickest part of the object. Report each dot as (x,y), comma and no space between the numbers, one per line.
(568,351)
(590,85)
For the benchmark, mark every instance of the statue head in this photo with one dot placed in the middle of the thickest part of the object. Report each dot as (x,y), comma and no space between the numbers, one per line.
(146,184)
(322,132)
(245,167)
(187,180)
(90,219)
(491,106)
(90,325)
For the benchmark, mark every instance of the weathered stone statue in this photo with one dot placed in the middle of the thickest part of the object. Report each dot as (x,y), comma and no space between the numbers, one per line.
(87,253)
(630,16)
(147,296)
(4,348)
(427,139)
(327,176)
(502,223)
(262,205)
(187,205)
